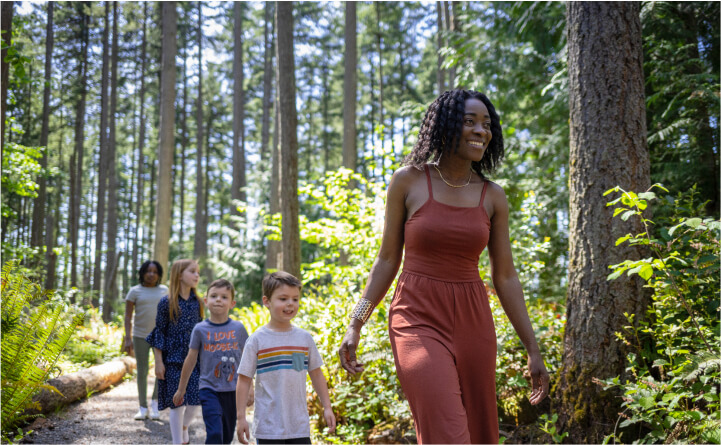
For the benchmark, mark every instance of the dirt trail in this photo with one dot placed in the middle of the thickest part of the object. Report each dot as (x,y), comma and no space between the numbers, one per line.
(107,418)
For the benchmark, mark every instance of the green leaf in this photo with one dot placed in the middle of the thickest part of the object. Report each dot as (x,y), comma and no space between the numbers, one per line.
(614,275)
(628,214)
(646,272)
(647,402)
(659,185)
(694,223)
(623,238)
(647,195)
(609,191)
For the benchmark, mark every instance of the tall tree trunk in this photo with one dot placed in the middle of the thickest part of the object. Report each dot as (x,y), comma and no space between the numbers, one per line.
(110,290)
(200,246)
(455,28)
(325,112)
(350,88)
(381,117)
(76,159)
(53,219)
(36,238)
(104,162)
(183,146)
(288,140)
(273,252)
(141,142)
(6,23)
(167,133)
(267,81)
(440,73)
(239,182)
(449,27)
(605,76)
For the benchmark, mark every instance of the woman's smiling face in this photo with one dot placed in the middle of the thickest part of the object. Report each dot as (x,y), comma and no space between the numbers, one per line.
(476,131)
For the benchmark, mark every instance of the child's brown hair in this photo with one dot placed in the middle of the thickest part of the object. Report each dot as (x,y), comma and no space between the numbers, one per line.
(273,281)
(223,283)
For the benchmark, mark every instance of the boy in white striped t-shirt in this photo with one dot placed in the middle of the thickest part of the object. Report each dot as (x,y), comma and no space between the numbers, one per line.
(280,356)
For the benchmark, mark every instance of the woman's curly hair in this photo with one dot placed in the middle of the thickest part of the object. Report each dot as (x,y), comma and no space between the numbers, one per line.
(442,127)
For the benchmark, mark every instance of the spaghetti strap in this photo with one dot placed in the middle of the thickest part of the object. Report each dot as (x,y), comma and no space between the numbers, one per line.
(428,179)
(483,194)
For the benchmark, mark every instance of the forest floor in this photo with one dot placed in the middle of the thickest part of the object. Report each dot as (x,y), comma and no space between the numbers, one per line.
(107,418)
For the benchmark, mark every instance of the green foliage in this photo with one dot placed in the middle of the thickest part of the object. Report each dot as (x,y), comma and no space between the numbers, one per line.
(20,168)
(35,328)
(548,426)
(674,389)
(681,71)
(94,342)
(548,319)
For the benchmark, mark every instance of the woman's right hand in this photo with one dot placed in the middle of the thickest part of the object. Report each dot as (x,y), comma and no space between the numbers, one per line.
(159,370)
(348,347)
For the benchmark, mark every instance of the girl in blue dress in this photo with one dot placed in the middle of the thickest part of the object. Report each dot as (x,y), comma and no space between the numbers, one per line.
(177,315)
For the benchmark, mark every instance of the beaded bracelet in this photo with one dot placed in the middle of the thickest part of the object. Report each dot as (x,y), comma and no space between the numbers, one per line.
(362,310)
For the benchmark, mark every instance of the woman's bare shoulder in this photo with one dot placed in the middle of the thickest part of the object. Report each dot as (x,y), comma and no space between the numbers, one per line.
(405,176)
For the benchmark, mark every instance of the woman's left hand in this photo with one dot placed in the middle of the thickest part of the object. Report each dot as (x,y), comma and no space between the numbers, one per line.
(539,378)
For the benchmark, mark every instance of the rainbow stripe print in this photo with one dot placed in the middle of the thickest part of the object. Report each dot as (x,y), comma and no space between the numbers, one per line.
(282,357)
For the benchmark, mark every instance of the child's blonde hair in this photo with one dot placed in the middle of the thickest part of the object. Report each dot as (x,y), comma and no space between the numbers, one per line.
(176,271)
(273,281)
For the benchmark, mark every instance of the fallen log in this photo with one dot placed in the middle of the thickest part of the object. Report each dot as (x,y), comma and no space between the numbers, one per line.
(79,384)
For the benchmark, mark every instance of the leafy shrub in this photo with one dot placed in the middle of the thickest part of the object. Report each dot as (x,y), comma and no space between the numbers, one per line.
(94,342)
(673,393)
(35,328)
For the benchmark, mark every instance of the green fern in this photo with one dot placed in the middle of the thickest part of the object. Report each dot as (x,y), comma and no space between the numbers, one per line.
(35,328)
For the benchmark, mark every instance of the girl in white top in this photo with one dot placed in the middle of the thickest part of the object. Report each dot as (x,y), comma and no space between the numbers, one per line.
(141,306)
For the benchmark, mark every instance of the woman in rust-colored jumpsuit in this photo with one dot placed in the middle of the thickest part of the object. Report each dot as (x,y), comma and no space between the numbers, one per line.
(445,213)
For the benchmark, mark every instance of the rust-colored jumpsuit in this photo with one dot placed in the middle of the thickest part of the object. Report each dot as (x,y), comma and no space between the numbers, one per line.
(441,326)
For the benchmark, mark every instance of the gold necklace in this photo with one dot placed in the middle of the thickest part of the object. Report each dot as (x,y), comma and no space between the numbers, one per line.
(470,173)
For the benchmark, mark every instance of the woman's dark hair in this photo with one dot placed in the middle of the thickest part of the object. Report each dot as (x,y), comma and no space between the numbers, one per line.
(442,127)
(144,269)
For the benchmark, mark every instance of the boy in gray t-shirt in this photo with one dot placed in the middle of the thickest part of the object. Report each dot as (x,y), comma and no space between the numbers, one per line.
(217,345)
(280,356)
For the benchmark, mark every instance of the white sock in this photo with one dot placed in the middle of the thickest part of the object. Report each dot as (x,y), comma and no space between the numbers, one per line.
(176,424)
(190,412)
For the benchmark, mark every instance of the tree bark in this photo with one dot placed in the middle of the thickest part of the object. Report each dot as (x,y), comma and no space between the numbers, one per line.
(608,148)
(167,133)
(110,290)
(454,30)
(183,146)
(239,181)
(6,23)
(104,162)
(200,245)
(350,87)
(440,73)
(267,81)
(141,142)
(273,252)
(76,160)
(288,140)
(36,238)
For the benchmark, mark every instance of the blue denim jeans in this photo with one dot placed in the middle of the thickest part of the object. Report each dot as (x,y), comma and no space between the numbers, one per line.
(219,415)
